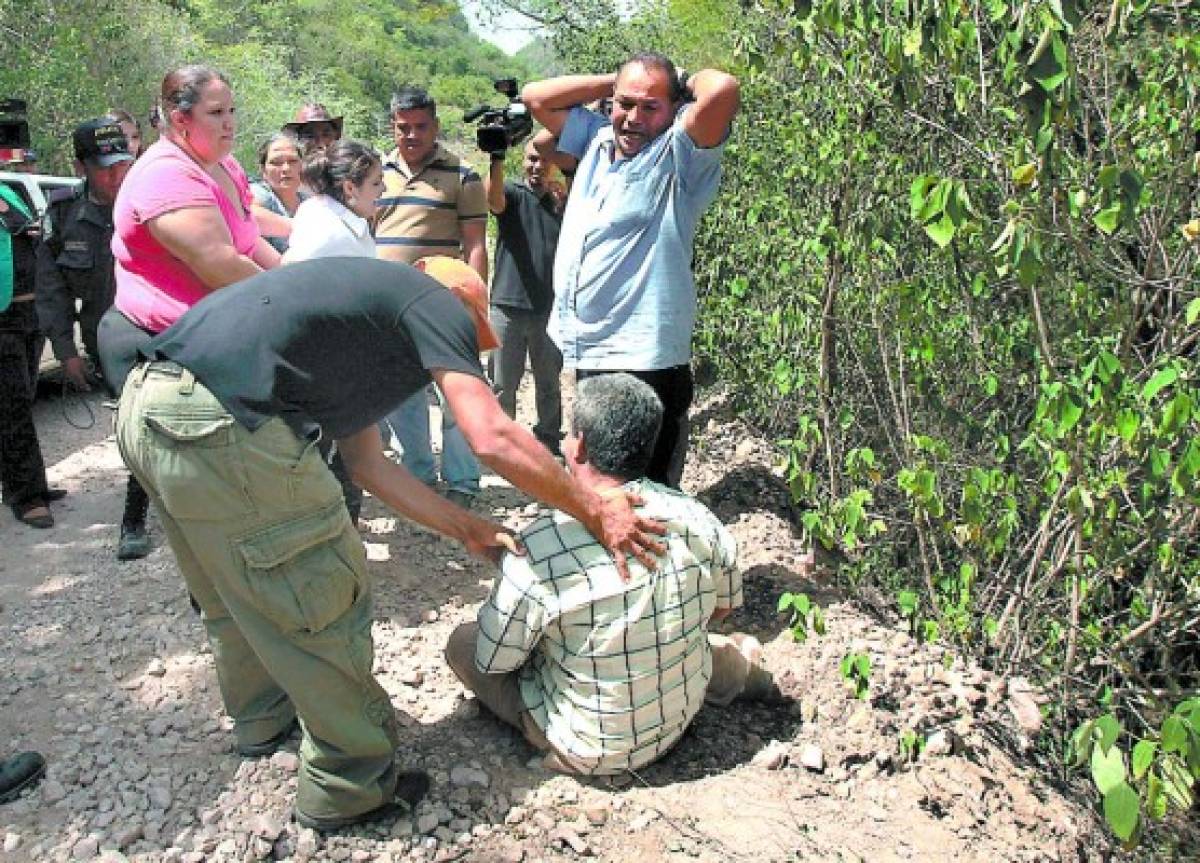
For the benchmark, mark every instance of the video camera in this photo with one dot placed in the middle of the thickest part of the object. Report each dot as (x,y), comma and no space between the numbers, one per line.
(501,128)
(14,125)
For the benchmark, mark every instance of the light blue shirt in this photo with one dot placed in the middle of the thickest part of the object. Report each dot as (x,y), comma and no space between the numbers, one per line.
(624,297)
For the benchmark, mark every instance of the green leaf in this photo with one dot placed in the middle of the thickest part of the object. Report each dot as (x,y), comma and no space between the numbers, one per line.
(1156,800)
(785,602)
(1193,311)
(1127,423)
(1108,218)
(1048,65)
(1121,811)
(1163,378)
(1023,175)
(1174,735)
(1108,768)
(1178,412)
(1143,757)
(941,231)
(1069,414)
(1108,729)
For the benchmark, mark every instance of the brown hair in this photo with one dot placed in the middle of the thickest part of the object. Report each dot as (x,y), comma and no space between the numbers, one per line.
(324,170)
(181,89)
(264,149)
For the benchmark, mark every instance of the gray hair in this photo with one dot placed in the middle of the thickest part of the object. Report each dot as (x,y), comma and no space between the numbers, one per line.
(618,417)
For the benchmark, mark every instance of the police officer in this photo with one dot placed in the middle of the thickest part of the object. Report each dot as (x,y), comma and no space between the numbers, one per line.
(75,263)
(75,280)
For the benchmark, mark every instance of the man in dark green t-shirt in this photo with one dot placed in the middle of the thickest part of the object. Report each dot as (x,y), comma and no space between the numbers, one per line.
(222,428)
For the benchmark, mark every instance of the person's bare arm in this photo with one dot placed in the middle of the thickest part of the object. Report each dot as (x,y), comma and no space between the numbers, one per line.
(270,223)
(546,144)
(266,255)
(551,100)
(474,242)
(493,187)
(403,492)
(717,99)
(199,237)
(512,451)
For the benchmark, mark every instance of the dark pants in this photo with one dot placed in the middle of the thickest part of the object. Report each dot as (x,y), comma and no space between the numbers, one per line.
(22,471)
(118,340)
(674,388)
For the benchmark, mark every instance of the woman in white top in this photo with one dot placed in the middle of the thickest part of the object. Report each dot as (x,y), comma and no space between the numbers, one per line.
(346,179)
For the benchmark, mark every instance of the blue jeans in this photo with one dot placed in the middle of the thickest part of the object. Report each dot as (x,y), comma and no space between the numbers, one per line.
(410,424)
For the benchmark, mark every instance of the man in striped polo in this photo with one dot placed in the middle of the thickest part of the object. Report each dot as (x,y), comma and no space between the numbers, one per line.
(603,673)
(432,204)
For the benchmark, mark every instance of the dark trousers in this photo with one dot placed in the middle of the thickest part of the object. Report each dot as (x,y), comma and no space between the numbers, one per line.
(674,387)
(22,471)
(118,340)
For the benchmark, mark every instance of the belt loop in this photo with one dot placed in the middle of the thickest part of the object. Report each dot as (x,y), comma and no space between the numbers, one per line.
(187,383)
(141,371)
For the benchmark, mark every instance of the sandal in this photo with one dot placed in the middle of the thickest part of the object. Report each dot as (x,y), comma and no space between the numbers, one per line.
(34,513)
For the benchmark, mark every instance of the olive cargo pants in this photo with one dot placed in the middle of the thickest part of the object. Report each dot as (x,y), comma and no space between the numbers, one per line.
(262,538)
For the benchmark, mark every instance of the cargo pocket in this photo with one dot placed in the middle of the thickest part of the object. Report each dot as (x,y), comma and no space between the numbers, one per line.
(305,572)
(195,465)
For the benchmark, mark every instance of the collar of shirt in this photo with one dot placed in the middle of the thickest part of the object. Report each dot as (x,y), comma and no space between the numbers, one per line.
(395,161)
(356,223)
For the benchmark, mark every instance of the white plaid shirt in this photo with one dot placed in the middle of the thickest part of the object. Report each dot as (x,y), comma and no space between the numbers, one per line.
(611,671)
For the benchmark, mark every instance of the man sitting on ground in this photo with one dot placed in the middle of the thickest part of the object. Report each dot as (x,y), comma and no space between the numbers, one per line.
(602,673)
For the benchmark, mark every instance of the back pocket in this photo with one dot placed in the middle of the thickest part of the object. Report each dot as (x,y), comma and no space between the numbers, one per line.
(195,464)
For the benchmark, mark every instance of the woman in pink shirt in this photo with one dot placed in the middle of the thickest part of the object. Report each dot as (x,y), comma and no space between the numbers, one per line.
(183,228)
(183,224)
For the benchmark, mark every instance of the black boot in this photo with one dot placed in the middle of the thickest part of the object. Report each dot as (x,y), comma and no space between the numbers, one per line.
(135,540)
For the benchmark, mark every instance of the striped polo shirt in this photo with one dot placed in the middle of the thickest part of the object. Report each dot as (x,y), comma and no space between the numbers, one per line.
(420,212)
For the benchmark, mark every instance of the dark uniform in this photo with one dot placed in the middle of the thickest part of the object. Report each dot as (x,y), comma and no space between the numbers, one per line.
(74,270)
(22,471)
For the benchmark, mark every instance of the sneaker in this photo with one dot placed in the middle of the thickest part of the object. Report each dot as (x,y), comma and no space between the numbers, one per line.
(134,543)
(411,786)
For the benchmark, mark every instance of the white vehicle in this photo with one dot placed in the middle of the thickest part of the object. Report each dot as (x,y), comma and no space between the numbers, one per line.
(34,189)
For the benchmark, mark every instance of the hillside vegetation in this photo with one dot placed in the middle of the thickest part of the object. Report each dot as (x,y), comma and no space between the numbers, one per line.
(73,60)
(953,270)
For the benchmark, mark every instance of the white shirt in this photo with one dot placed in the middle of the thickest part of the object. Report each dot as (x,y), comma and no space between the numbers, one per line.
(324,228)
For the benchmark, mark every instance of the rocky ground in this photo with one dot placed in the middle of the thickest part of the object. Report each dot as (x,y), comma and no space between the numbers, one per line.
(108,674)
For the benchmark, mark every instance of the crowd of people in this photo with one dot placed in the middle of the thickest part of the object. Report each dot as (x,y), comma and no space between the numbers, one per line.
(267,338)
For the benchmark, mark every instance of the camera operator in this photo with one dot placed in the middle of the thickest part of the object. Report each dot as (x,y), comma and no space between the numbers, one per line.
(625,299)
(528,218)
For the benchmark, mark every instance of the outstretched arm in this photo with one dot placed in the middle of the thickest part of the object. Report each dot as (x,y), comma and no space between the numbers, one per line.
(512,451)
(403,492)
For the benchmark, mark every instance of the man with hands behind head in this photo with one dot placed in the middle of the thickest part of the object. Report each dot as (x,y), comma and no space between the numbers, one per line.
(625,299)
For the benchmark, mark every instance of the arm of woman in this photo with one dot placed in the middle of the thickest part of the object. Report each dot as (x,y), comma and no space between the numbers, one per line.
(199,237)
(270,223)
(266,255)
